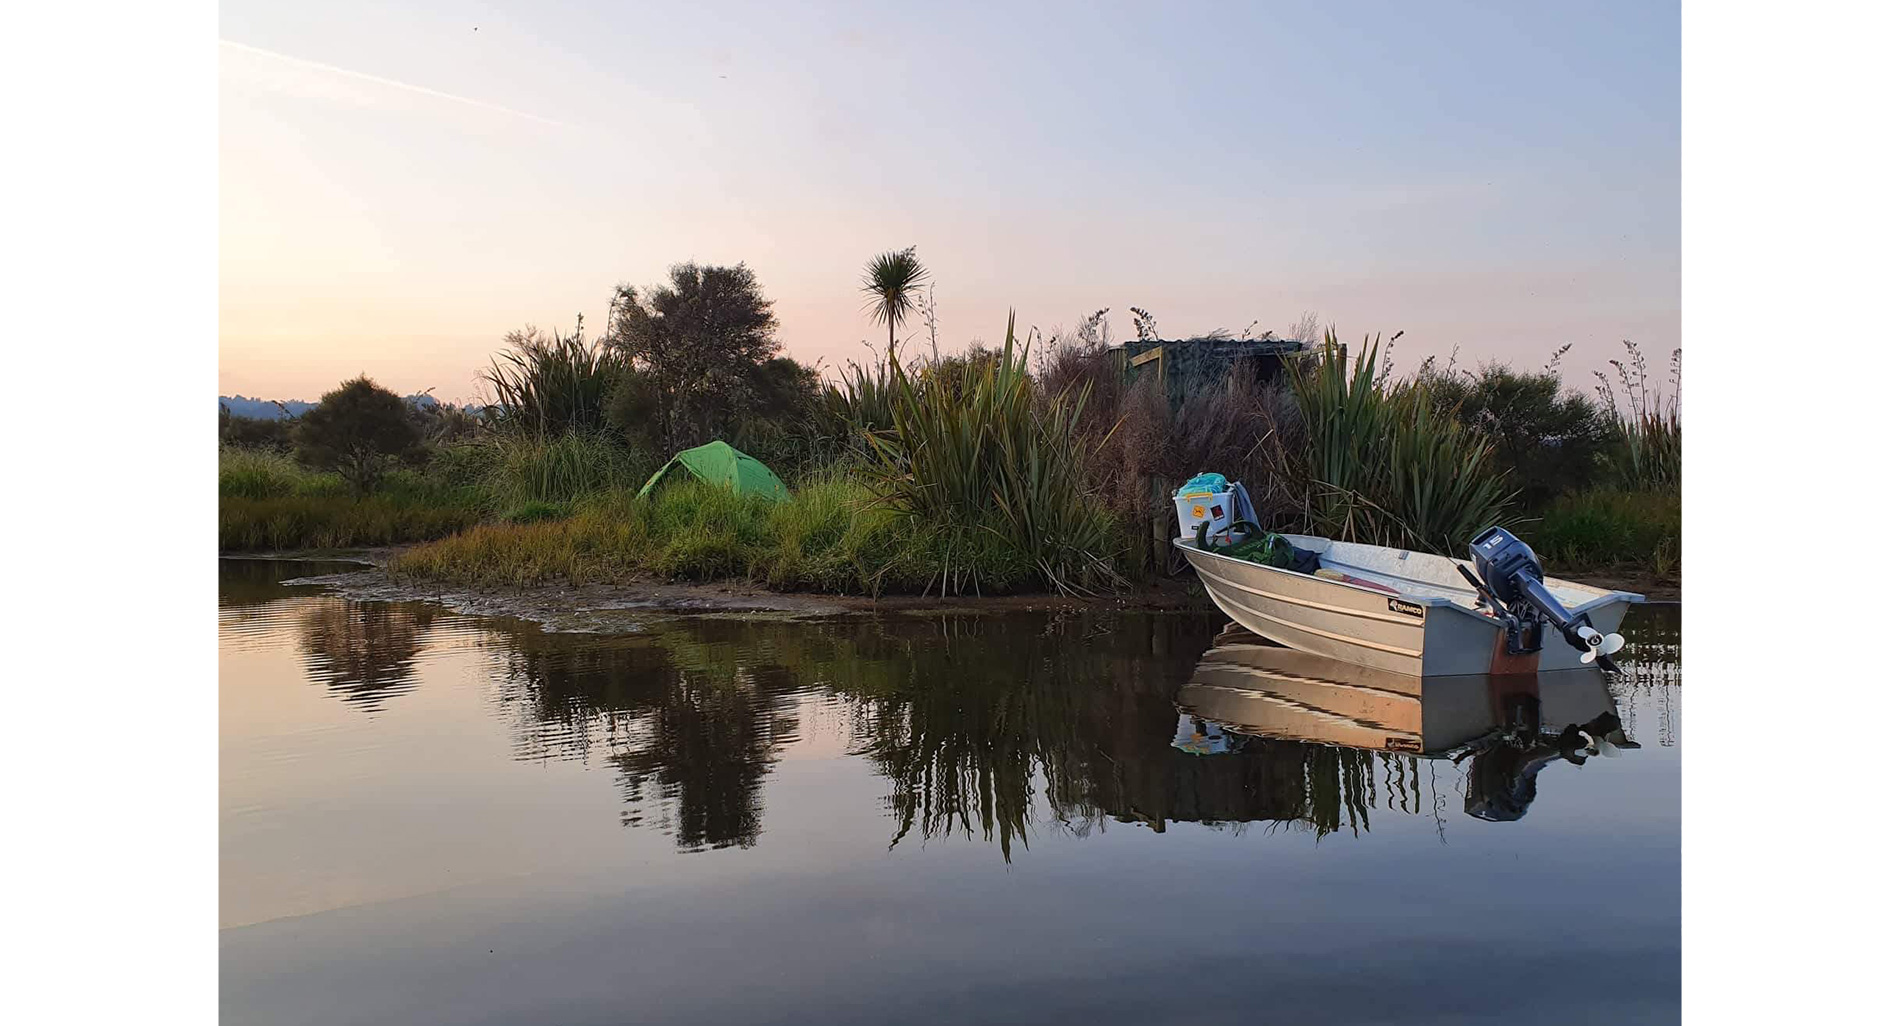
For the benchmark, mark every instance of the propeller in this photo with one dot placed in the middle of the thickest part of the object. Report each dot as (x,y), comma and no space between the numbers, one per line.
(1600,644)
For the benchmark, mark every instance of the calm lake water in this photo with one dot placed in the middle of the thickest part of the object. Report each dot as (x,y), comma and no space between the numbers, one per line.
(429,817)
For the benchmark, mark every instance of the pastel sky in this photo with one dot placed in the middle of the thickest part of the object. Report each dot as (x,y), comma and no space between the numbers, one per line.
(403,182)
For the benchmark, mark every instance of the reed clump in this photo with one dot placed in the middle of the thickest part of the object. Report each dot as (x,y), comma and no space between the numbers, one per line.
(546,383)
(1647,426)
(976,453)
(1381,463)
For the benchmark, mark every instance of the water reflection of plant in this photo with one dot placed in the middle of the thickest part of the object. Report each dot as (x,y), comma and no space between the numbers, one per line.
(991,727)
(1652,665)
(363,652)
(984,727)
(964,736)
(692,738)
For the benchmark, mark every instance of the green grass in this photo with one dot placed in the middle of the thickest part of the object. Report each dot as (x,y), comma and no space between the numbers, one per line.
(266,501)
(1605,528)
(333,522)
(831,536)
(263,474)
(562,469)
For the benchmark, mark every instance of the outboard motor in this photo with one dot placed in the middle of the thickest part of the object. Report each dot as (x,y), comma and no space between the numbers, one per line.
(1513,582)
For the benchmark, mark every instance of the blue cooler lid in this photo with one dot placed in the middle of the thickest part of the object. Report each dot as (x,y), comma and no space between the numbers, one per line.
(1205,482)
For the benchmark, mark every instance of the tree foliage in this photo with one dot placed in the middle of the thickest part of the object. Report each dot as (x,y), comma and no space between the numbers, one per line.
(359,429)
(1547,439)
(698,340)
(253,432)
(892,281)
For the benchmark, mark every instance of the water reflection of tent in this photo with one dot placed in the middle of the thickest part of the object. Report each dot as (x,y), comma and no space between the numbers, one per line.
(719,463)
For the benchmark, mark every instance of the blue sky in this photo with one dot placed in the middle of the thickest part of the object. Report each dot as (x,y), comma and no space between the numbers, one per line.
(403,183)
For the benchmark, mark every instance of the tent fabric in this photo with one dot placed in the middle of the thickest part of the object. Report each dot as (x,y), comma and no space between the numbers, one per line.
(719,463)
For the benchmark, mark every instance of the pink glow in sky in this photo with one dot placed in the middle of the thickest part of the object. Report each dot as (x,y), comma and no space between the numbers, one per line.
(401,184)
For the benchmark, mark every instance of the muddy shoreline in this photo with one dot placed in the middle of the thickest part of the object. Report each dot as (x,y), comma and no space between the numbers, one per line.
(623,605)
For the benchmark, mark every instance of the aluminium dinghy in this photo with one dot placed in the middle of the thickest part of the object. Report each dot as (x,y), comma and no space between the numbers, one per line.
(1415,613)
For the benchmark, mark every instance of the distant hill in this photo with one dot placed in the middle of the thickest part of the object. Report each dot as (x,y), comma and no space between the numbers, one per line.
(263,409)
(272,409)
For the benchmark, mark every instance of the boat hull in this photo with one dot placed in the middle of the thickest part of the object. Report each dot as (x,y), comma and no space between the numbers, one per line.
(1275,692)
(1427,629)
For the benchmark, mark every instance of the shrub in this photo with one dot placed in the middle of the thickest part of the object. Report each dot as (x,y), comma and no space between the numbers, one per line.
(359,430)
(254,432)
(1545,439)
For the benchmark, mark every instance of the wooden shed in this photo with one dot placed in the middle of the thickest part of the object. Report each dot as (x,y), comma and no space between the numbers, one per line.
(1187,367)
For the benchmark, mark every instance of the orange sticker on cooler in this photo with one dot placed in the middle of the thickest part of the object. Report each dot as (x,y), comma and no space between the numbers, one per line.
(1199,511)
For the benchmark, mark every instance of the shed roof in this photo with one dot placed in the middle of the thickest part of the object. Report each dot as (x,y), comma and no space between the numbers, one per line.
(1233,345)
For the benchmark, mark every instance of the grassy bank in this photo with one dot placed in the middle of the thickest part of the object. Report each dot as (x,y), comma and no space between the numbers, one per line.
(971,475)
(268,502)
(831,536)
(1606,529)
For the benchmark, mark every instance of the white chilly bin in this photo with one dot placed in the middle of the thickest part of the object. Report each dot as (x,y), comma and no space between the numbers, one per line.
(1215,509)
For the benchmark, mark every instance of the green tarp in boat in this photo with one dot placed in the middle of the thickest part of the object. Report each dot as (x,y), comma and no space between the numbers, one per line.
(719,463)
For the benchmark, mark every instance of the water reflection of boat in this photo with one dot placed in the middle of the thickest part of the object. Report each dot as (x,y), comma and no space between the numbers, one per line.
(1509,725)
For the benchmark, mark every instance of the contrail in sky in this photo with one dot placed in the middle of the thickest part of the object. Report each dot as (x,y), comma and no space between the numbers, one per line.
(393,84)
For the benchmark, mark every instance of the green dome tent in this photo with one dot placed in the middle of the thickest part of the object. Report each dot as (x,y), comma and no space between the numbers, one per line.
(719,463)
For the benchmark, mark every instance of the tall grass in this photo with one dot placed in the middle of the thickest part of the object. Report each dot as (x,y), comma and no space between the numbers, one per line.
(563,467)
(551,383)
(266,501)
(259,473)
(1647,454)
(831,536)
(1382,464)
(974,448)
(336,521)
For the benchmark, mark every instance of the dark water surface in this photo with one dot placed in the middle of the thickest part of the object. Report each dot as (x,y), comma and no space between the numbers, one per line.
(429,817)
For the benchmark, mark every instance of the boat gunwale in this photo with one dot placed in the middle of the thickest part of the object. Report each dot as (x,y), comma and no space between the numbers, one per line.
(1602,598)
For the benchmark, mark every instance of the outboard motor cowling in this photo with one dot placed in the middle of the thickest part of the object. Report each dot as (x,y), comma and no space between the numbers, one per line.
(1512,580)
